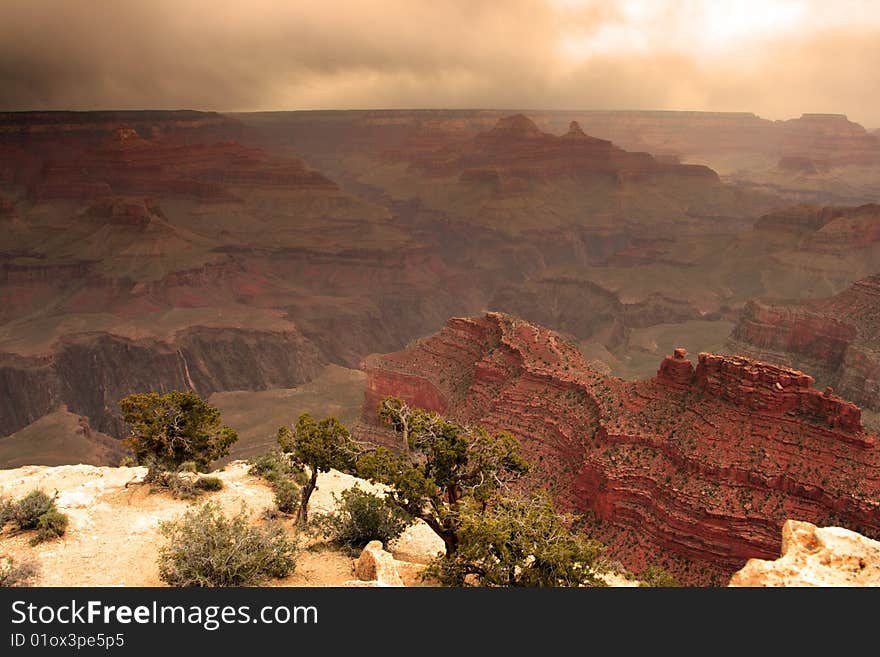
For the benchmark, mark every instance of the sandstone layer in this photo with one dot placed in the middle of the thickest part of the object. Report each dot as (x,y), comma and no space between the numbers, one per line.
(838,338)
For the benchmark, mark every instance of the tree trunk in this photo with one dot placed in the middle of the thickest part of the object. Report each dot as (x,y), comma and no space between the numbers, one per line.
(450,540)
(303,515)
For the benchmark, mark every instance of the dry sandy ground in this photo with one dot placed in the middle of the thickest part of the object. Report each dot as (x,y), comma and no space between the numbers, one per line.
(113,537)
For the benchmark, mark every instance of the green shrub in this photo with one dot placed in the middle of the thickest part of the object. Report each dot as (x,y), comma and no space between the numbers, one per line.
(16,574)
(275,466)
(361,517)
(657,576)
(36,510)
(285,478)
(209,483)
(51,524)
(287,496)
(205,548)
(5,511)
(26,512)
(183,484)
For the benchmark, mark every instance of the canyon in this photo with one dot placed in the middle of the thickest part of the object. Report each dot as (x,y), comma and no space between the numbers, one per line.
(694,469)
(244,254)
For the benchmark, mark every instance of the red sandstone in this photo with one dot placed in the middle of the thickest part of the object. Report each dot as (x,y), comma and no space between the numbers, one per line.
(696,469)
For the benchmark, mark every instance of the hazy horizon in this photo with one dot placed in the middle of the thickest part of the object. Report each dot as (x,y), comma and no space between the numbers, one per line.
(777,59)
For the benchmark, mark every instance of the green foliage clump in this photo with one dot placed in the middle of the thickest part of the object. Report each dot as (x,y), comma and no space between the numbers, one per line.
(657,576)
(16,574)
(26,512)
(36,510)
(175,428)
(52,524)
(442,464)
(319,446)
(284,476)
(276,466)
(5,511)
(456,478)
(517,542)
(288,496)
(206,548)
(209,483)
(361,517)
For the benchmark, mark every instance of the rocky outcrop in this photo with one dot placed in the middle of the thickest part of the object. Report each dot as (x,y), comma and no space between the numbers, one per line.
(813,556)
(825,230)
(515,148)
(838,338)
(697,468)
(375,565)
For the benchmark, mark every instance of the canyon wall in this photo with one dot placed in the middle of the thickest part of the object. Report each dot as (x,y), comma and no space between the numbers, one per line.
(837,338)
(696,469)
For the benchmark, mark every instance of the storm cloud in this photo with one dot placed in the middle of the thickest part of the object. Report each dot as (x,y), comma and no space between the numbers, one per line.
(778,59)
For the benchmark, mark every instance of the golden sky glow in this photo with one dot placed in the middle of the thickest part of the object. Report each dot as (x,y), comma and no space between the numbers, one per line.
(778,58)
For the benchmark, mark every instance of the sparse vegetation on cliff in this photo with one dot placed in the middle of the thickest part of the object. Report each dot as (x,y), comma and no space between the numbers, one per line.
(35,511)
(13,573)
(444,464)
(173,434)
(519,542)
(285,478)
(207,548)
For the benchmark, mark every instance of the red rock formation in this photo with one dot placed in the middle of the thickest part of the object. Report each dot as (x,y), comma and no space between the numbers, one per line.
(517,148)
(109,159)
(838,338)
(676,371)
(831,230)
(407,134)
(6,206)
(696,469)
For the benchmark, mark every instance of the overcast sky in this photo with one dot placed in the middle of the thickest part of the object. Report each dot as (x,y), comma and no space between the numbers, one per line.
(778,58)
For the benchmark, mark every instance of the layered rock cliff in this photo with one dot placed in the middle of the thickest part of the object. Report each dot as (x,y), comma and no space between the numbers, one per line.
(837,338)
(515,150)
(90,372)
(696,469)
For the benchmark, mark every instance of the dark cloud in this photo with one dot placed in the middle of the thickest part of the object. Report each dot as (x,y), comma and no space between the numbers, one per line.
(231,55)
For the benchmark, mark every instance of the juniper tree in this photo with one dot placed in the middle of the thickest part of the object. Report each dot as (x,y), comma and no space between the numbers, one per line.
(320,446)
(175,428)
(443,464)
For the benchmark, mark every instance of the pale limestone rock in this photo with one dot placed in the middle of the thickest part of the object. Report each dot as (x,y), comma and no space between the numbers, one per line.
(375,564)
(812,556)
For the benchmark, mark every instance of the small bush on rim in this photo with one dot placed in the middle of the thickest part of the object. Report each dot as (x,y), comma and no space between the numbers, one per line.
(361,517)
(26,511)
(51,524)
(207,548)
(36,510)
(16,574)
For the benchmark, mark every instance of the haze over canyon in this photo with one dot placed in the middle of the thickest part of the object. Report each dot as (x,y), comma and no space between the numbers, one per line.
(674,312)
